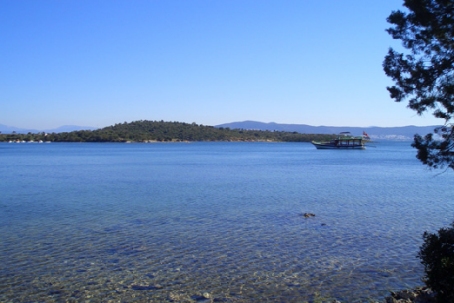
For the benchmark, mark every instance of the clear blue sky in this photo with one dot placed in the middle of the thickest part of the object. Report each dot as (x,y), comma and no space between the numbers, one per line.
(101,62)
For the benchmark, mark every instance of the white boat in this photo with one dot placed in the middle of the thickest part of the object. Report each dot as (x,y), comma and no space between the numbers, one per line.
(344,141)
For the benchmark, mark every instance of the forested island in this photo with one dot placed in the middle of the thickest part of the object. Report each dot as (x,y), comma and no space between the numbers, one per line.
(161,131)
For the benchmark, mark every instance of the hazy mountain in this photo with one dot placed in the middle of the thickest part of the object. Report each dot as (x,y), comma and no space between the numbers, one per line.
(4,129)
(375,132)
(69,128)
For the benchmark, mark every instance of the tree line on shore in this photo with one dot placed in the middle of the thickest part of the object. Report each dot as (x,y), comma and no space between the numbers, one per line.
(160,131)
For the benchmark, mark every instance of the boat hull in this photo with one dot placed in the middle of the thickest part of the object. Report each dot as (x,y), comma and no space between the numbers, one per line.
(329,145)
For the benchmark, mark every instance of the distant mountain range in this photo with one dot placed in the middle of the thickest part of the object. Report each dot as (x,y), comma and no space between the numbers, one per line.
(384,133)
(4,129)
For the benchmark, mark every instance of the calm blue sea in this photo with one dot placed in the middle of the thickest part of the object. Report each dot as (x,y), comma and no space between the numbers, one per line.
(181,222)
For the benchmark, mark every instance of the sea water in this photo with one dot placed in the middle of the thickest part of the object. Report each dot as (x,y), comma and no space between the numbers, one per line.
(223,222)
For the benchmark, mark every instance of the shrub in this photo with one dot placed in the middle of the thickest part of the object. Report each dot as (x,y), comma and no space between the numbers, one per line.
(437,256)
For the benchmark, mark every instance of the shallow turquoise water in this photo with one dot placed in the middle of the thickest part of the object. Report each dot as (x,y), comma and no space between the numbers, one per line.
(172,221)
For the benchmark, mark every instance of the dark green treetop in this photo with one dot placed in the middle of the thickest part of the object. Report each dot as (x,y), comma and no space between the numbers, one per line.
(437,256)
(424,75)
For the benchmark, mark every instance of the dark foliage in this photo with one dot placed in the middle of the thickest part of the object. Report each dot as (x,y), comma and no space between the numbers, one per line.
(437,256)
(425,74)
(160,131)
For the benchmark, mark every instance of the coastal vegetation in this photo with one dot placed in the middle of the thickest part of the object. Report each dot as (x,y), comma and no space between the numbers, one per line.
(437,256)
(161,131)
(424,76)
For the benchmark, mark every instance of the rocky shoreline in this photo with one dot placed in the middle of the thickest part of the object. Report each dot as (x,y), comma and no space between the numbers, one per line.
(416,295)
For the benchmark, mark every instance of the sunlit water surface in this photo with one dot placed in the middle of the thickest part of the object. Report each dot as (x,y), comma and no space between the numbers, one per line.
(181,222)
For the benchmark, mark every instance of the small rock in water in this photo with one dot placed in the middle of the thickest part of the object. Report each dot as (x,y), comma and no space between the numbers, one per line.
(201,298)
(206,295)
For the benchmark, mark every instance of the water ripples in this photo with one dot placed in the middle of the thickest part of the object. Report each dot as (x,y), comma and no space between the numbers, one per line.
(227,225)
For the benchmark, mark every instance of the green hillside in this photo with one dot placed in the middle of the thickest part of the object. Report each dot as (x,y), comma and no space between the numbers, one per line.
(160,131)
